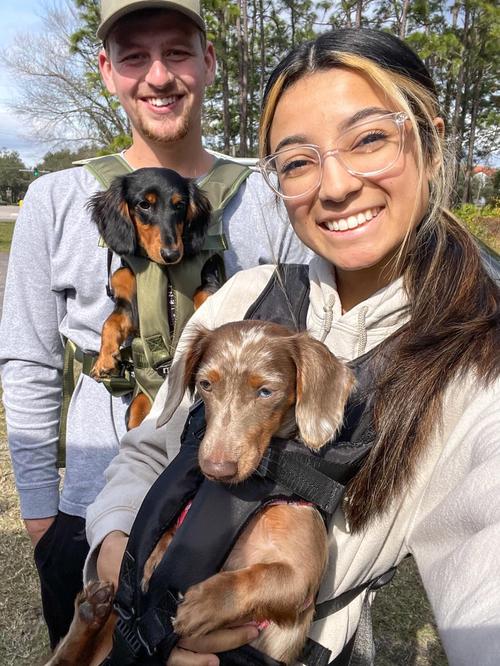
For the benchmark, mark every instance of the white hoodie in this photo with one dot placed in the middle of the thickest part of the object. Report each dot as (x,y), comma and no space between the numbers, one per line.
(448,519)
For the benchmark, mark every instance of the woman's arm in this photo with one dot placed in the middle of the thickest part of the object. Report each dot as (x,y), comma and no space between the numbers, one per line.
(456,539)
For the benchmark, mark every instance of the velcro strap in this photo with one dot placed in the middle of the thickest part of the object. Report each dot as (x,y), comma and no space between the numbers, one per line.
(126,645)
(155,625)
(298,473)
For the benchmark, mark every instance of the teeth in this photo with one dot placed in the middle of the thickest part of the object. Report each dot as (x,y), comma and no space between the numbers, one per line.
(352,221)
(161,101)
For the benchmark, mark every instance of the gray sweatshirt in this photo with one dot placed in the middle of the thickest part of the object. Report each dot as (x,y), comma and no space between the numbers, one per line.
(56,287)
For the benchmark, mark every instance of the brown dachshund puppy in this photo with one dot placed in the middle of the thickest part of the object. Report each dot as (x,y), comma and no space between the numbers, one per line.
(257,380)
(164,215)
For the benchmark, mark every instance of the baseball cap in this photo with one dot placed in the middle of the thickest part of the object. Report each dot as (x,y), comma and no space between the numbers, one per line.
(112,10)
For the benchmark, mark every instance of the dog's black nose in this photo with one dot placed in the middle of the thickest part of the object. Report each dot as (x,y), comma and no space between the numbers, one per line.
(170,256)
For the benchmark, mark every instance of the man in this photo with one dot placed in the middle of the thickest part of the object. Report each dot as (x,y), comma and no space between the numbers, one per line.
(157,61)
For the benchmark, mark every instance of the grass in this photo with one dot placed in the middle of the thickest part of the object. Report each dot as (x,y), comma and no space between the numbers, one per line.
(6,231)
(23,638)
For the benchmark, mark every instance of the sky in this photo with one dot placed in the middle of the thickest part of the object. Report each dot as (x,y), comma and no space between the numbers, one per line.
(17,16)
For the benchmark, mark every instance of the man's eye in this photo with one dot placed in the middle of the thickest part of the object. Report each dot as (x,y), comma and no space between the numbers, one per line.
(177,54)
(133,58)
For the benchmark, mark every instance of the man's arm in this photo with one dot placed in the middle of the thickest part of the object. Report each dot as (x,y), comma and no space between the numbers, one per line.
(258,229)
(31,358)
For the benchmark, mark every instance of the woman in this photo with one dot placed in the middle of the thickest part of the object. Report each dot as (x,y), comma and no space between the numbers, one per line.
(351,139)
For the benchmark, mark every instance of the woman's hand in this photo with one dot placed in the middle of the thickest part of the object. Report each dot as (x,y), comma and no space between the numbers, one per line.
(110,557)
(200,651)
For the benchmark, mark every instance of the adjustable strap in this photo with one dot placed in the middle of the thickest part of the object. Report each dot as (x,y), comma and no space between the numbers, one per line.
(68,386)
(77,361)
(106,168)
(360,649)
(331,606)
(301,474)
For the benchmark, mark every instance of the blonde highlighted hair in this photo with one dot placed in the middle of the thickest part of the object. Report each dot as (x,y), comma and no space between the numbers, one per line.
(454,325)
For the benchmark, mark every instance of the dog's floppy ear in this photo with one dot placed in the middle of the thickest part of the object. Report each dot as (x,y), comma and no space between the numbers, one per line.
(110,212)
(323,386)
(197,220)
(182,376)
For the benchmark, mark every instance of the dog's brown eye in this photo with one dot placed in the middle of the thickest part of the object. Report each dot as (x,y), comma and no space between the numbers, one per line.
(145,205)
(205,385)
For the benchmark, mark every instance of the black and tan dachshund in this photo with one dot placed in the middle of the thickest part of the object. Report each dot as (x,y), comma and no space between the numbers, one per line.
(165,215)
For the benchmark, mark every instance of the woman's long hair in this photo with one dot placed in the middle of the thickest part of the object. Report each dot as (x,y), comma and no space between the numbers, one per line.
(454,325)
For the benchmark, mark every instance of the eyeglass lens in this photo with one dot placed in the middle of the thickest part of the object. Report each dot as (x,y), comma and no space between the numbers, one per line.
(366,148)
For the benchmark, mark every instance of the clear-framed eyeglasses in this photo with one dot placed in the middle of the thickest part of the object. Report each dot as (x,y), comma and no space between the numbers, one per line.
(366,149)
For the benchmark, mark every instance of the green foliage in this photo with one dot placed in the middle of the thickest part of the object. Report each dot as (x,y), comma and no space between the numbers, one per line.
(63,159)
(13,181)
(457,39)
(483,222)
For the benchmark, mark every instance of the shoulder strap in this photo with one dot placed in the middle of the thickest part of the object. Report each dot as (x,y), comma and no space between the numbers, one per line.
(106,168)
(221,184)
(285,298)
(223,181)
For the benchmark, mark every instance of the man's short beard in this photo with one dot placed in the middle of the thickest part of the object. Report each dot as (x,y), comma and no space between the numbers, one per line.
(181,132)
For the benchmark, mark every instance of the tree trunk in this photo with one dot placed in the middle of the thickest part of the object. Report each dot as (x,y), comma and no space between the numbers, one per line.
(243,76)
(404,19)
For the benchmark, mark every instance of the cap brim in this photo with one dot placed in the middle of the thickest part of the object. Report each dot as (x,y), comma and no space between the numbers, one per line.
(105,27)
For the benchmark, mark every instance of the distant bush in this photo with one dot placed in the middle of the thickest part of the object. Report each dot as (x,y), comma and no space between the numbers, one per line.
(483,222)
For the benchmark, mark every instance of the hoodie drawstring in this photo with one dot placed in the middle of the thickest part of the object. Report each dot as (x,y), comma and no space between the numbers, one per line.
(328,319)
(362,335)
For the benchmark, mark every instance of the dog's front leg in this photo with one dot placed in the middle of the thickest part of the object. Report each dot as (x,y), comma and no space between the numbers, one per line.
(119,325)
(92,625)
(260,592)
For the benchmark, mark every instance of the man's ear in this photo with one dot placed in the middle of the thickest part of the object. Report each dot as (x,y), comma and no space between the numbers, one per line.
(105,68)
(210,64)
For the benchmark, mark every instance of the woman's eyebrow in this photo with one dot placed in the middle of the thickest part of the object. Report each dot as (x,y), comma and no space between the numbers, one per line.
(362,114)
(289,140)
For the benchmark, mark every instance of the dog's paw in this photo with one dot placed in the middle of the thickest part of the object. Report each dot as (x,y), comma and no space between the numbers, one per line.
(197,614)
(105,366)
(94,604)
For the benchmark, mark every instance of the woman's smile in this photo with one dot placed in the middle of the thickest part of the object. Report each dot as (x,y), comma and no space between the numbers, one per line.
(352,220)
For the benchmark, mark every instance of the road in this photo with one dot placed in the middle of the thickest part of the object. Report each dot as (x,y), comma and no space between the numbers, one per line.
(8,213)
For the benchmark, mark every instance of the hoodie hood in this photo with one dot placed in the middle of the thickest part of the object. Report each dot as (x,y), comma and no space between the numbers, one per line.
(367,324)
